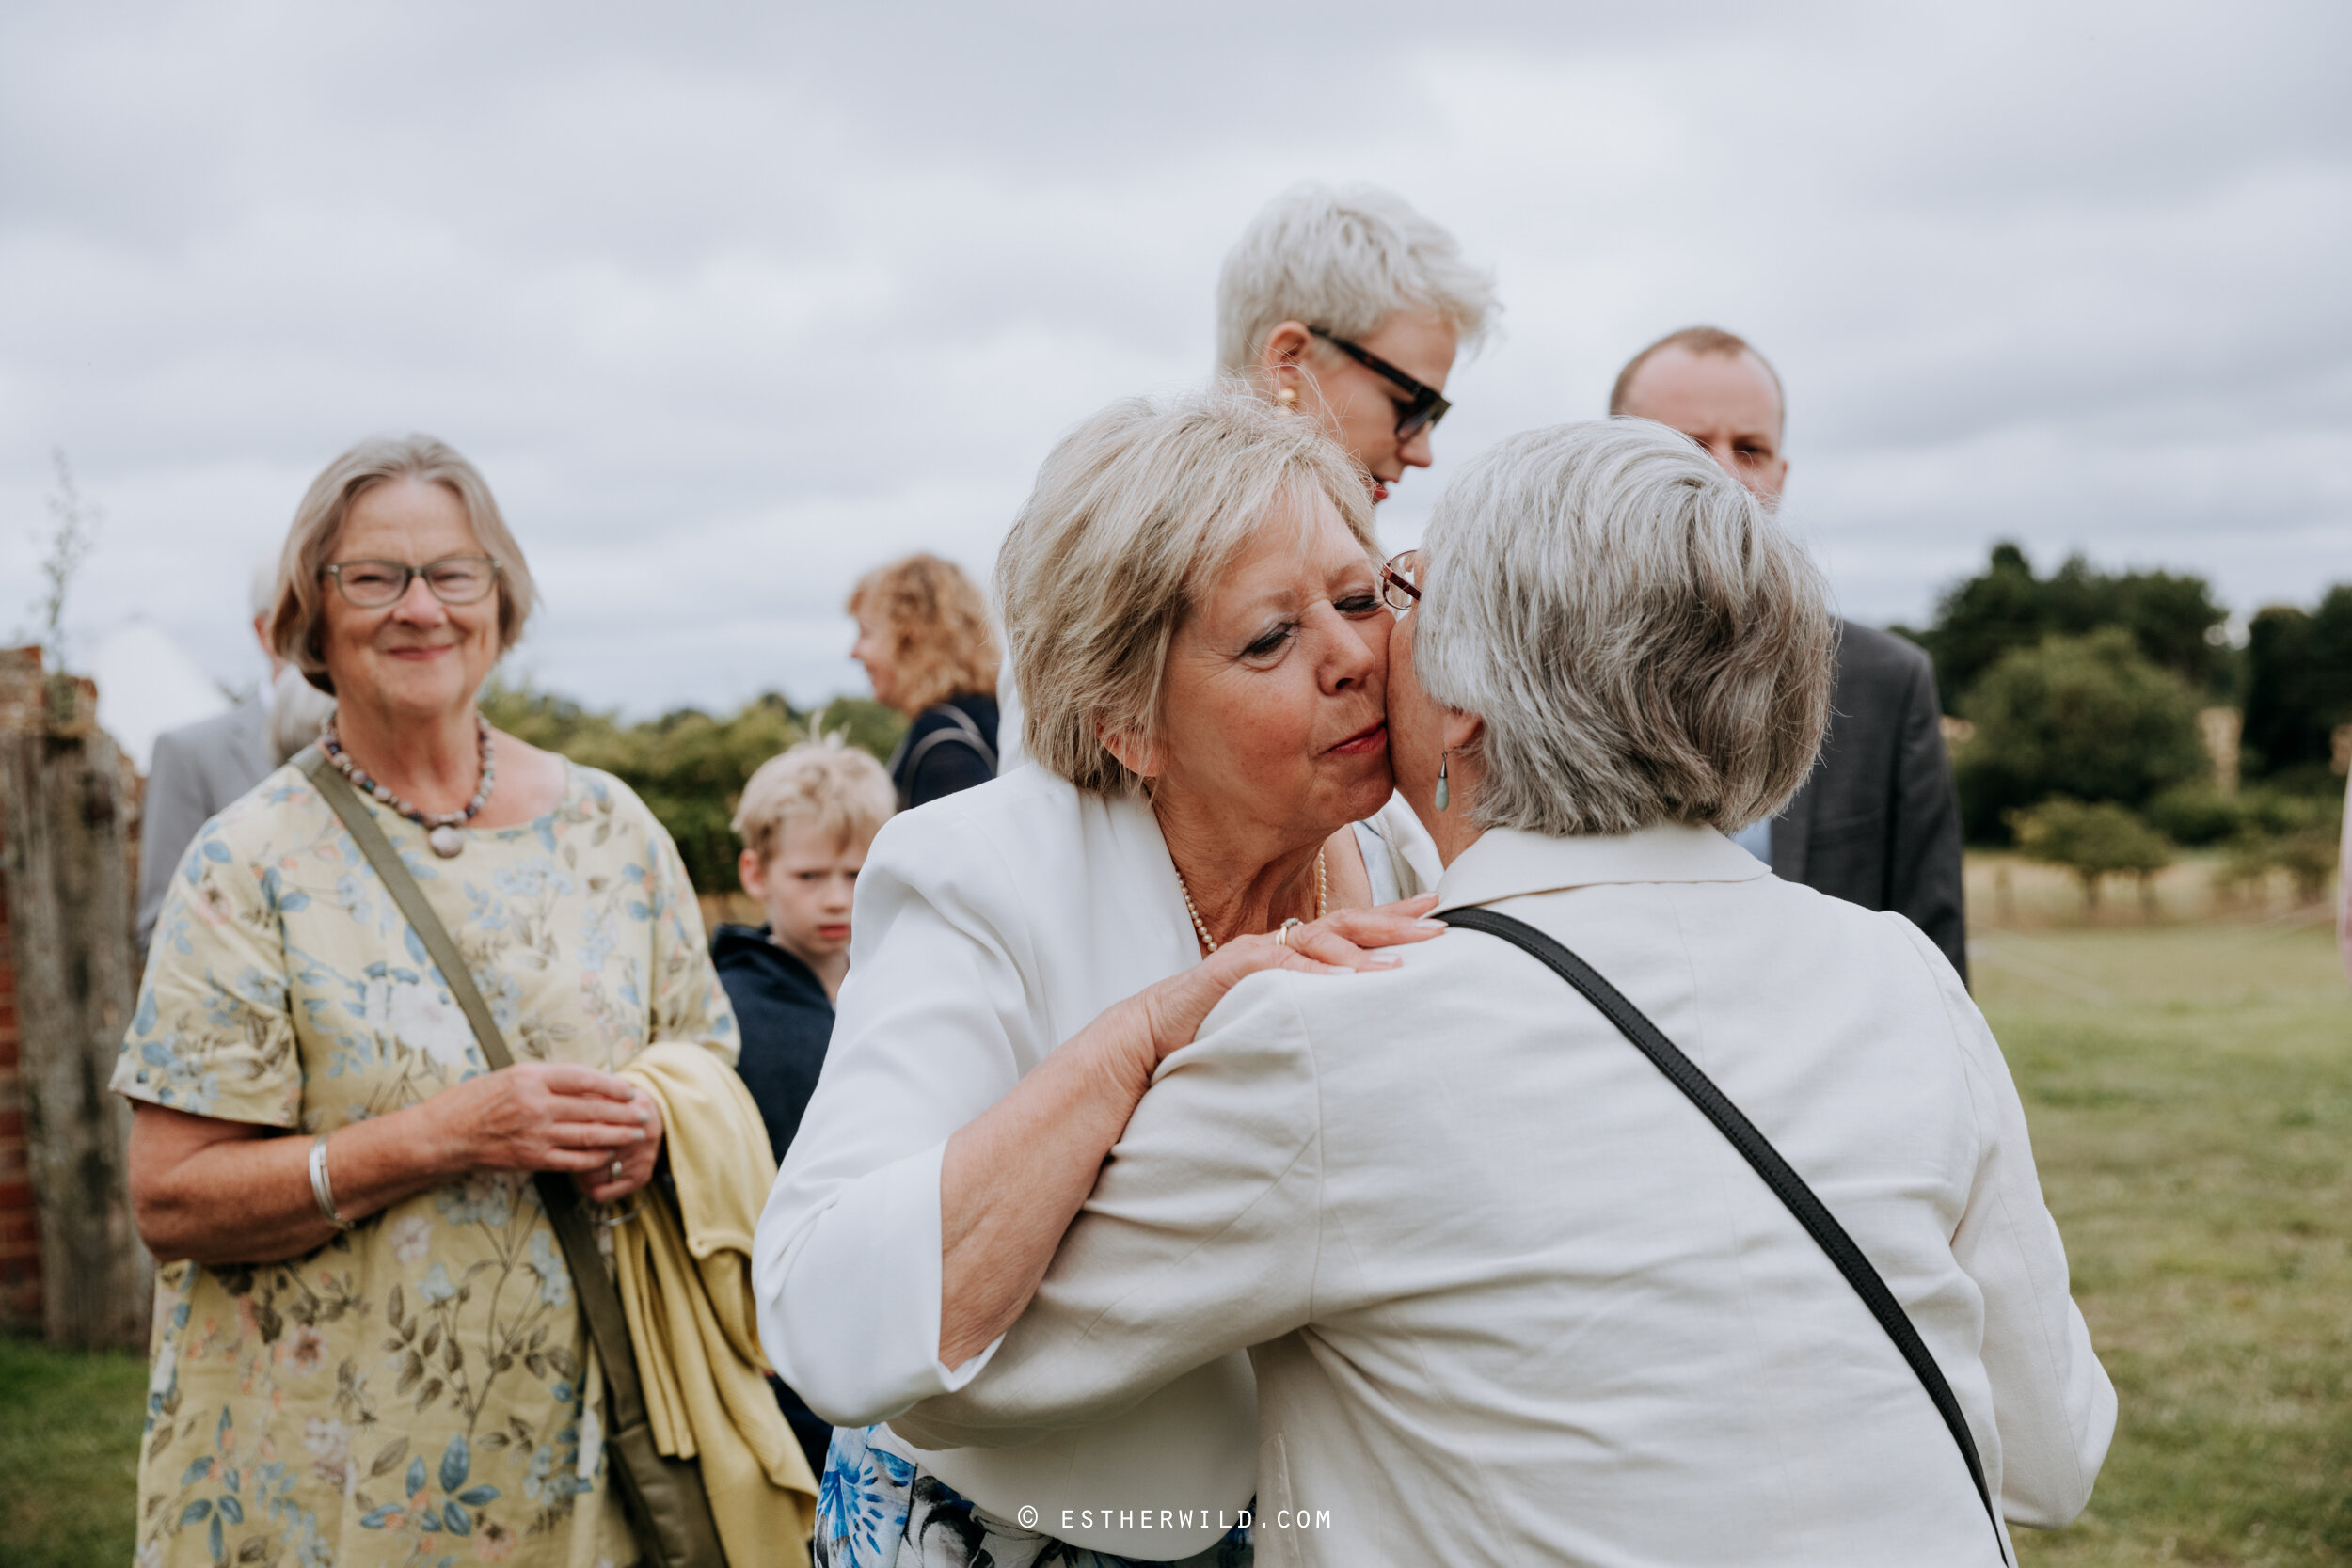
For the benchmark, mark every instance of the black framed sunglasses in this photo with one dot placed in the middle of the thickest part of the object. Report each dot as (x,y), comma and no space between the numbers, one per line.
(1428,404)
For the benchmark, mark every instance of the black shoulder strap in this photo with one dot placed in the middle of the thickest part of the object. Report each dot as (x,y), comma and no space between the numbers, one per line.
(960,730)
(1785,1183)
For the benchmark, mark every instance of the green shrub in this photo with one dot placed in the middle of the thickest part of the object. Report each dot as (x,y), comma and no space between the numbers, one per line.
(2085,717)
(2094,841)
(2298,834)
(688,767)
(2196,814)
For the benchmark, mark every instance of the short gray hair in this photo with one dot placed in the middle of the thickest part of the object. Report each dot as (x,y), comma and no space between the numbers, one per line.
(298,613)
(1345,260)
(1135,515)
(1643,639)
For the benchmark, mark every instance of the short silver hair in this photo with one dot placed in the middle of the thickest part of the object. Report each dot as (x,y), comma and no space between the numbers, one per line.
(1346,261)
(1135,514)
(297,617)
(1643,639)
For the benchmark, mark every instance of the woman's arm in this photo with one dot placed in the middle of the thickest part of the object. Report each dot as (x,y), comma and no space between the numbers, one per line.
(2052,1402)
(1200,1238)
(216,1191)
(1012,1180)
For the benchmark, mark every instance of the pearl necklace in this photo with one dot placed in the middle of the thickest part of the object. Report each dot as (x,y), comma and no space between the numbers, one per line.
(440,827)
(1323,895)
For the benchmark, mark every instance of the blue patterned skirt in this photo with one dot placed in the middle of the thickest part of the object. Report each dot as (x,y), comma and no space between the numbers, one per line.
(876,1509)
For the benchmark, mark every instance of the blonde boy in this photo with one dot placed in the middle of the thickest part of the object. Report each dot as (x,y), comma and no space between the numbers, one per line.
(807,819)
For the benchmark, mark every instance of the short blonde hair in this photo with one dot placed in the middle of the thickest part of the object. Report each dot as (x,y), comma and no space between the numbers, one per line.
(941,644)
(297,615)
(1644,641)
(842,787)
(1346,261)
(1135,513)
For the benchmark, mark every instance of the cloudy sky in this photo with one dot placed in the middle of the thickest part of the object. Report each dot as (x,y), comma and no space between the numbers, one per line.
(732,302)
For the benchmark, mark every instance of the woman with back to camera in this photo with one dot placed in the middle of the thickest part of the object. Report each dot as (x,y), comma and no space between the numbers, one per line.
(369,1347)
(1510,1297)
(1196,616)
(924,638)
(1349,307)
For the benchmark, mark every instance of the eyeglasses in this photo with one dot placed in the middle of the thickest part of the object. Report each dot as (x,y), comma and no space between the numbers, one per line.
(454,579)
(1428,404)
(1396,581)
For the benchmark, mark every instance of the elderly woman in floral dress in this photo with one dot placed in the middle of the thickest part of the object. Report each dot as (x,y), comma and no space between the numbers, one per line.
(367,1347)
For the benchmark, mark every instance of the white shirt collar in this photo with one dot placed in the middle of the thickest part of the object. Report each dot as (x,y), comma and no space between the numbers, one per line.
(1506,863)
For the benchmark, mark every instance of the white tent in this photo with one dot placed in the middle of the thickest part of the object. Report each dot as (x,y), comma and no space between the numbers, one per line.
(147,684)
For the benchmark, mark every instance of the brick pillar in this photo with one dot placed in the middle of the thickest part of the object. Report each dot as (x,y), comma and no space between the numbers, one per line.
(68,803)
(20,1224)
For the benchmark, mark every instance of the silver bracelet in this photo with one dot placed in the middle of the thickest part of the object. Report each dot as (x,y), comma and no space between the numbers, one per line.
(319,1189)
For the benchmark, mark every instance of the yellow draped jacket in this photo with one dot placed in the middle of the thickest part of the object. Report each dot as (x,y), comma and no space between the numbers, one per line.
(686,1291)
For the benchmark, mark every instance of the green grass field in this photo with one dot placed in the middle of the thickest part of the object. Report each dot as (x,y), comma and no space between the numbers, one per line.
(68,1450)
(2190,1091)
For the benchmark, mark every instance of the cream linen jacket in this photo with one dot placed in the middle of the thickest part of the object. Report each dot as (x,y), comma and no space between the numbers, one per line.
(1512,1299)
(990,925)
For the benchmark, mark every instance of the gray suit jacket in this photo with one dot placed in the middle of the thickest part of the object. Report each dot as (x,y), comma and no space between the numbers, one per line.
(1878,823)
(197,770)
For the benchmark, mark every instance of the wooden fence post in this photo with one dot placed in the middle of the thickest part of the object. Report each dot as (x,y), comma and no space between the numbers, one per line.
(67,809)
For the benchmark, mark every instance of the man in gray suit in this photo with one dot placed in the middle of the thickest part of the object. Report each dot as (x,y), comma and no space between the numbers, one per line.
(200,768)
(1878,823)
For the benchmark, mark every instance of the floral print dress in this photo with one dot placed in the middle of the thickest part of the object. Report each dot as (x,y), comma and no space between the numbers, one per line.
(876,1509)
(420,1390)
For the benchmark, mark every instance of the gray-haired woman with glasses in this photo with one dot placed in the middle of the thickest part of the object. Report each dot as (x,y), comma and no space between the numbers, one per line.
(368,1342)
(1349,305)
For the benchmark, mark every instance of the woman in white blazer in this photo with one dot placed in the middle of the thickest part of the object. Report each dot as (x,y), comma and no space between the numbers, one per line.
(1510,1296)
(1195,613)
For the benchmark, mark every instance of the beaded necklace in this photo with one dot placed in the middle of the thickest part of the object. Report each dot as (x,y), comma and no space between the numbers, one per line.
(441,833)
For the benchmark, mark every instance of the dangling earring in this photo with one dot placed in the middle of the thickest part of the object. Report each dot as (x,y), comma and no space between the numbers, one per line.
(1443,793)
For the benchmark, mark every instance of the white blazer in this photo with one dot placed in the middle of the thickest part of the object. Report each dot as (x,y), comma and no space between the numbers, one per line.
(990,926)
(1513,1299)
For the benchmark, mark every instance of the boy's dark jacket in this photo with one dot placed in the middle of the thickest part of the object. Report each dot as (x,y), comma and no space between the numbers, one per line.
(786,1020)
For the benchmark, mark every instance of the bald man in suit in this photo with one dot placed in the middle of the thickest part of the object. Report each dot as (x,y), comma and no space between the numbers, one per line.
(1878,823)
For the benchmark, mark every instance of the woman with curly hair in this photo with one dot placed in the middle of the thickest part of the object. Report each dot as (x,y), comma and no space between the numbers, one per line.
(924,637)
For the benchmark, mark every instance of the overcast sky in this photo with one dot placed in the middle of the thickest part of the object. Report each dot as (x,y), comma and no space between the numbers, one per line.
(730,303)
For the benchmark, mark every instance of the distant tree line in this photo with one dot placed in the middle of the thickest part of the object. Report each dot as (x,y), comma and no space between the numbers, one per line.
(688,767)
(2083,691)
(2171,620)
(2299,685)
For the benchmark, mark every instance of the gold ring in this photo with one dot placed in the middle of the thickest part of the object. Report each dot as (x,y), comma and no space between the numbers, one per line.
(1282,932)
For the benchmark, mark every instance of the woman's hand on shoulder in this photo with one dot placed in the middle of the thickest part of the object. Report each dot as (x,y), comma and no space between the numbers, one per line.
(1340,943)
(1343,938)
